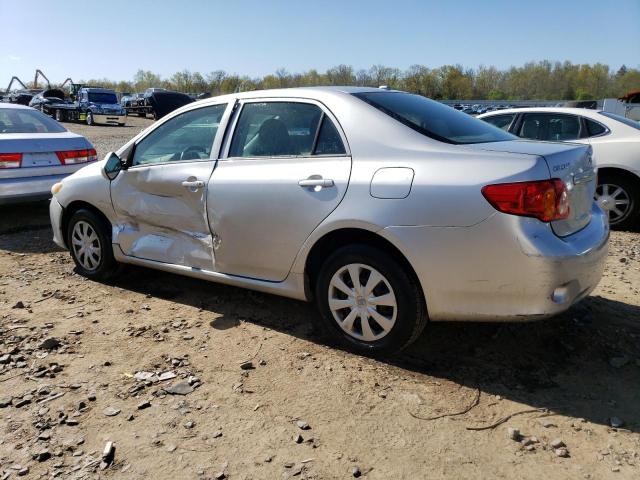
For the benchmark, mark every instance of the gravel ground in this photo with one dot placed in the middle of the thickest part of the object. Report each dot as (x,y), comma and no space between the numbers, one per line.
(83,364)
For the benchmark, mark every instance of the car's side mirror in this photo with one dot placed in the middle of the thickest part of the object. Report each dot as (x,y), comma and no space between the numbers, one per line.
(113,165)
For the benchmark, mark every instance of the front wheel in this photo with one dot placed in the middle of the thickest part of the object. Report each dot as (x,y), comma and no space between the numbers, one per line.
(369,302)
(89,118)
(59,116)
(89,241)
(619,197)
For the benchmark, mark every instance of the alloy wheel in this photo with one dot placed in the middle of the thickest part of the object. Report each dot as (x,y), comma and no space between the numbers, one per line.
(86,245)
(614,200)
(362,302)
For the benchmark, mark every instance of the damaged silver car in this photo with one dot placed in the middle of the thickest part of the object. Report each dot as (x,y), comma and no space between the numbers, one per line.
(385,208)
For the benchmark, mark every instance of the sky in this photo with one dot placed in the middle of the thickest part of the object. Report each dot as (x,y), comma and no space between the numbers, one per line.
(115,38)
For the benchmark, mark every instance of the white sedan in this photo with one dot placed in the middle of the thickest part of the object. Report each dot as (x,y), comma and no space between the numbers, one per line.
(35,153)
(616,150)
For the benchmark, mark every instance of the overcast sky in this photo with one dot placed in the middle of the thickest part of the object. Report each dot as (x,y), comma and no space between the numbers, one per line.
(114,38)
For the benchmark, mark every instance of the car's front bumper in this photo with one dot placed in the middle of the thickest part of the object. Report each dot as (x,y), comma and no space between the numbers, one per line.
(109,119)
(55,214)
(504,268)
(26,189)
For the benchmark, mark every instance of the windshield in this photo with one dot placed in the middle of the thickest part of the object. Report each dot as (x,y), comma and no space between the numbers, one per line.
(434,119)
(19,120)
(102,97)
(621,119)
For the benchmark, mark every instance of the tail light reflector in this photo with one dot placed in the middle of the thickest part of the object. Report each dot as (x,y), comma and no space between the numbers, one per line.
(71,157)
(546,200)
(10,160)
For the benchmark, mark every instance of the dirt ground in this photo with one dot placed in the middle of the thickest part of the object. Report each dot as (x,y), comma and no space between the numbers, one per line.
(152,362)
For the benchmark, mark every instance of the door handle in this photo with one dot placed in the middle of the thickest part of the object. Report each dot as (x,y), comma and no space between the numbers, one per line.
(316,182)
(193,186)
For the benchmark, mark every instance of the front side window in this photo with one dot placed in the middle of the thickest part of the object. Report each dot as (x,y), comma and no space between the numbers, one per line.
(501,121)
(14,120)
(189,136)
(284,129)
(550,127)
(434,119)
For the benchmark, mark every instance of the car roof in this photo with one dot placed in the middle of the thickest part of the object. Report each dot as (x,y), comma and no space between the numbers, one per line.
(585,112)
(316,93)
(14,105)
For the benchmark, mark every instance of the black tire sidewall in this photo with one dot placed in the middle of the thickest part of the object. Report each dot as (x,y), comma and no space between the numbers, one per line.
(633,218)
(89,118)
(107,263)
(411,313)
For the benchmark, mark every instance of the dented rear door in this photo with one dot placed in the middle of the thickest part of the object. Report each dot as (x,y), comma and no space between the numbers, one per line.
(160,198)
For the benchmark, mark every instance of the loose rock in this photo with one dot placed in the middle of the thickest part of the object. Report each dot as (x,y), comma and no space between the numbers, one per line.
(514,434)
(180,388)
(302,425)
(111,411)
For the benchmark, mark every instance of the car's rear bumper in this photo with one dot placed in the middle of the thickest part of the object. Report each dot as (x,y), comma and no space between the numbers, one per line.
(26,189)
(505,268)
(109,119)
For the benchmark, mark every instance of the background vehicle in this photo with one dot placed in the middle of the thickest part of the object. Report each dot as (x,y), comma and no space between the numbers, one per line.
(92,105)
(157,102)
(616,150)
(35,153)
(352,197)
(42,101)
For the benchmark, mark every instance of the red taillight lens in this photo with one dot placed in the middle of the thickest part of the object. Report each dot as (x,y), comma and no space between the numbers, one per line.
(71,157)
(546,200)
(10,160)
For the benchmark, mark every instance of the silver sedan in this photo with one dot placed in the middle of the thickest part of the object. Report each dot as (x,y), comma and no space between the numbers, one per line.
(35,153)
(385,208)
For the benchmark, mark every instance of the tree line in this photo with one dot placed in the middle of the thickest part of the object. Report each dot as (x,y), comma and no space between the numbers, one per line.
(532,81)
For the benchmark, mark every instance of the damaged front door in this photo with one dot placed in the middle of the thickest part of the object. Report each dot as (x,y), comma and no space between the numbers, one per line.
(160,198)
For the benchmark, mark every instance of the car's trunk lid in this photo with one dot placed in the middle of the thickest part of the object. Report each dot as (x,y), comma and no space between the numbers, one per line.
(570,162)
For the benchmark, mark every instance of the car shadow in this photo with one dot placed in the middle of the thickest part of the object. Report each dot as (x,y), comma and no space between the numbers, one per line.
(563,364)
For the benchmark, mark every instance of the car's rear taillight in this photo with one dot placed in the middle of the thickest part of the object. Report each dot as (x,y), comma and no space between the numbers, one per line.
(10,160)
(546,200)
(71,157)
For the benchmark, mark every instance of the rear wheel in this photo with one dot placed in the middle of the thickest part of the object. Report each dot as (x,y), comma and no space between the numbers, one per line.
(142,114)
(368,301)
(619,197)
(89,242)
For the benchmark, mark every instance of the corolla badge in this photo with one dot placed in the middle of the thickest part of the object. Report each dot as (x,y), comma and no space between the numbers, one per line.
(562,166)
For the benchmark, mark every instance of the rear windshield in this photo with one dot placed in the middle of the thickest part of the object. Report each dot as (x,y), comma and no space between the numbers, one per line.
(621,119)
(101,97)
(19,120)
(434,119)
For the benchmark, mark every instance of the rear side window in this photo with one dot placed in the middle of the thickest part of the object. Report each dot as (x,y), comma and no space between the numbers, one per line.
(284,129)
(434,119)
(329,141)
(594,128)
(501,121)
(550,127)
(18,120)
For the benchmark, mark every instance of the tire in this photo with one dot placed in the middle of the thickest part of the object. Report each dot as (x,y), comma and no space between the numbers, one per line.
(614,189)
(89,118)
(404,322)
(59,116)
(142,114)
(86,229)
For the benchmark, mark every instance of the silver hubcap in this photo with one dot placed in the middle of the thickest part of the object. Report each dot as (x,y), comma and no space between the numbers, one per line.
(86,245)
(362,302)
(614,200)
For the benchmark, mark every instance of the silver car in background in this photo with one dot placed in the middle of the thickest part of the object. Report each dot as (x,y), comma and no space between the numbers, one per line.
(385,208)
(35,153)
